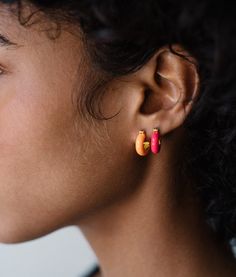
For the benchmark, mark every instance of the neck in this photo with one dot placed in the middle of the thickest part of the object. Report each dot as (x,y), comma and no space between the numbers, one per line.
(150,233)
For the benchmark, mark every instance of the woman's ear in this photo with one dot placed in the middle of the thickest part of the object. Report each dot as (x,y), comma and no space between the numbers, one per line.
(170,84)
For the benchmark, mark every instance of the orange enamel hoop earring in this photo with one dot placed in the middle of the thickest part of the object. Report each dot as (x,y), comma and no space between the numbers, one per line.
(143,147)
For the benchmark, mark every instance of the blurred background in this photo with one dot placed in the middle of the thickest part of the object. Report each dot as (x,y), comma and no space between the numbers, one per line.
(63,253)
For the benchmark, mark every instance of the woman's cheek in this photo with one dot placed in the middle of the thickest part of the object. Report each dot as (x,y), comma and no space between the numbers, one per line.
(33,143)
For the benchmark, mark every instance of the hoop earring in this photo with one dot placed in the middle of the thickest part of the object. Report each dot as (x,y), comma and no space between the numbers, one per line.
(142,147)
(155,141)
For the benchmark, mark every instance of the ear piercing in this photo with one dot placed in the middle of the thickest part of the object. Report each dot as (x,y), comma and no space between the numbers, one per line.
(143,147)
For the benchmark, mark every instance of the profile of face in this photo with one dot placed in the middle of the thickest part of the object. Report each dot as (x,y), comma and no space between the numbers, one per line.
(55,166)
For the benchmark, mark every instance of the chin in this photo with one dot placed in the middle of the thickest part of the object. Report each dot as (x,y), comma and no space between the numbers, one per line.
(14,236)
(16,233)
(7,237)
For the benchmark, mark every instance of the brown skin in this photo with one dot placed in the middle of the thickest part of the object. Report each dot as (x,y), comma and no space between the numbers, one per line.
(56,169)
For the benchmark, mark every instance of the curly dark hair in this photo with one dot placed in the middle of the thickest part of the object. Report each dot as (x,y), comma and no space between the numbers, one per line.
(121,36)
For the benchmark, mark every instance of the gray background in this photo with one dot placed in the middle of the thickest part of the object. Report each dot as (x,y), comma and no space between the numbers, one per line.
(63,253)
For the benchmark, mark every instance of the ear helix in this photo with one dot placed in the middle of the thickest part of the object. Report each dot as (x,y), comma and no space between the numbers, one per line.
(143,147)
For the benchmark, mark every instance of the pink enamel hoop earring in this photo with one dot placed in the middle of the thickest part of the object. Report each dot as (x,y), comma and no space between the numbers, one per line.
(142,147)
(155,141)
